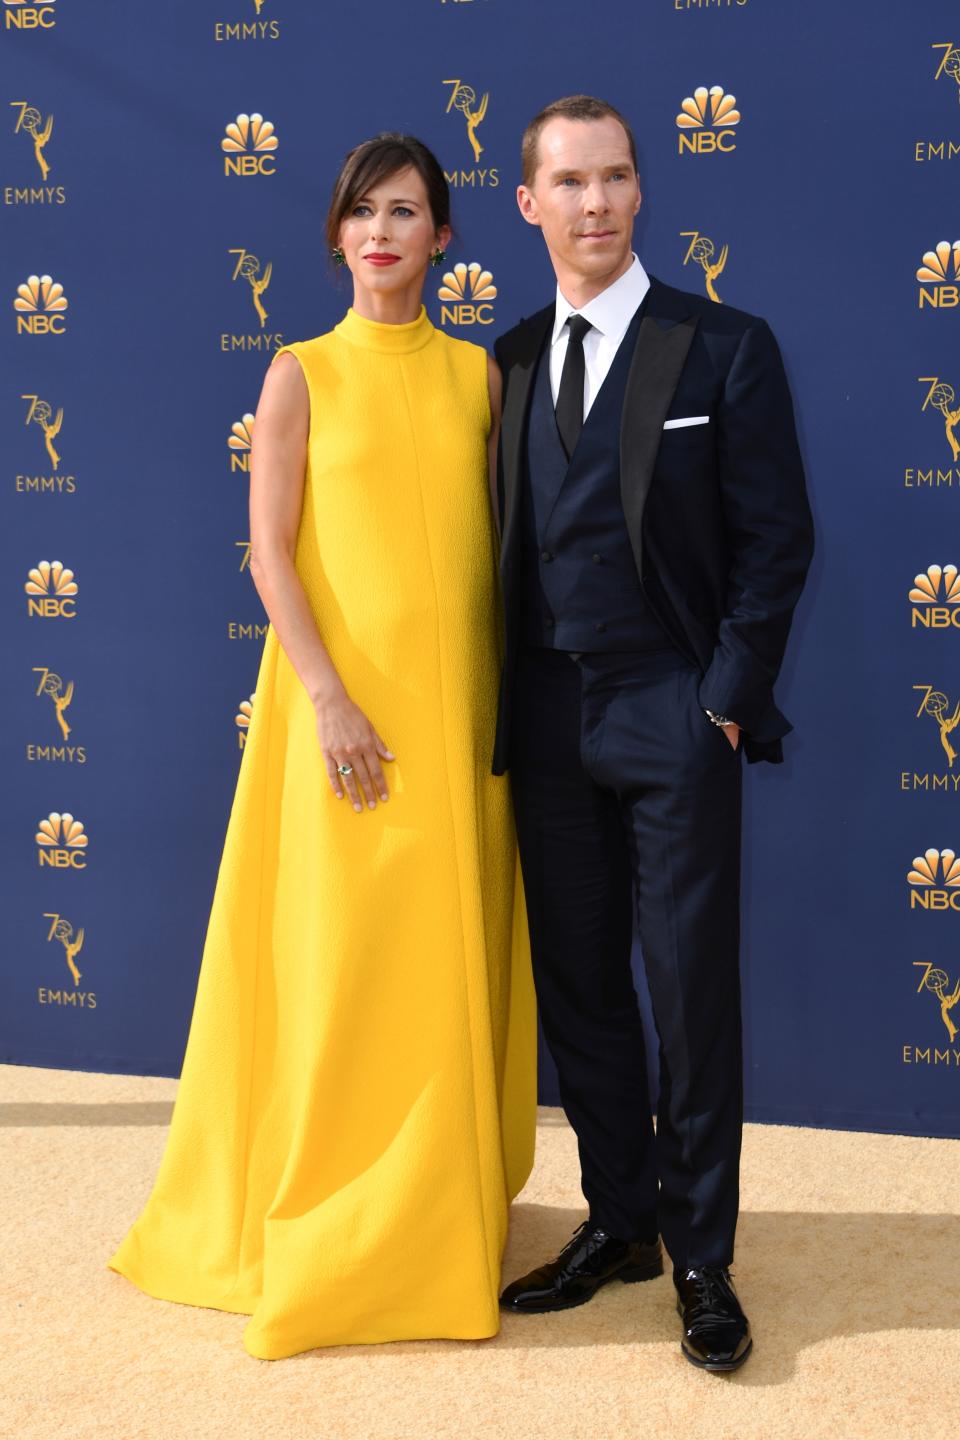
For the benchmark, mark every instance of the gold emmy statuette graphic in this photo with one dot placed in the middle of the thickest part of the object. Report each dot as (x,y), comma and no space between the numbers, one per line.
(61,841)
(701,251)
(464,98)
(32,123)
(249,267)
(936,704)
(471,289)
(706,121)
(239,442)
(243,718)
(243,545)
(52,685)
(938,983)
(51,590)
(943,397)
(249,145)
(62,930)
(258,5)
(949,64)
(40,303)
(939,274)
(39,413)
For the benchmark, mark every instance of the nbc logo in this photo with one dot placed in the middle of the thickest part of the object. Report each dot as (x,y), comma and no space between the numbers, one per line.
(61,842)
(19,15)
(938,276)
(935,598)
(242,718)
(50,591)
(40,303)
(934,881)
(467,292)
(706,121)
(249,146)
(239,441)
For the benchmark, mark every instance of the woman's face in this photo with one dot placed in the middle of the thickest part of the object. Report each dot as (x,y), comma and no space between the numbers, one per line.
(389,235)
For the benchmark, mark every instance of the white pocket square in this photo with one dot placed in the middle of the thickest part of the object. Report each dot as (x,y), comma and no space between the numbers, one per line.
(687,420)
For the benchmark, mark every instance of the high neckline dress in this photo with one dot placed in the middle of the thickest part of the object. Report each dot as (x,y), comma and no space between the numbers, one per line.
(356,1107)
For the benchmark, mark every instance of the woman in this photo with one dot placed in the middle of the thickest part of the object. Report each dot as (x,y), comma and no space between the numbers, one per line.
(356,1106)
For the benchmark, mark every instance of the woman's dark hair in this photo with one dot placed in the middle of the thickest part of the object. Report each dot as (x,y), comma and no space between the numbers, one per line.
(376,160)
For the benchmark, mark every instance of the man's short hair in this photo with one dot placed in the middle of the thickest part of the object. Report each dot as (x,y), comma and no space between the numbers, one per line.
(572,107)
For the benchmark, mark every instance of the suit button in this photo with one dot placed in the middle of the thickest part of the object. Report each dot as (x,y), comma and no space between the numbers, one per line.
(600,627)
(545,556)
(596,559)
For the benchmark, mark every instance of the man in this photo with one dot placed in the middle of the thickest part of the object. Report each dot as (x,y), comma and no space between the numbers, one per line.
(656,536)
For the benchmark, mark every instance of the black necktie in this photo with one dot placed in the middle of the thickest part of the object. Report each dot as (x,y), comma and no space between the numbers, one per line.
(569,408)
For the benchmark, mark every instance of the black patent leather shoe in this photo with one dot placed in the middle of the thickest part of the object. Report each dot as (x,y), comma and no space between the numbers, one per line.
(716,1333)
(590,1259)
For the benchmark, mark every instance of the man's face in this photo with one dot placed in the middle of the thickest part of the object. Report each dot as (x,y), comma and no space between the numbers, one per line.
(584,196)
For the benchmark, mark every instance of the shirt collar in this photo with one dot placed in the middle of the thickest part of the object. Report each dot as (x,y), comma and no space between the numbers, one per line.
(611,311)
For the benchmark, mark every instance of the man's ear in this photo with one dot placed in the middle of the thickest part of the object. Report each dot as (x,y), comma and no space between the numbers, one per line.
(527,205)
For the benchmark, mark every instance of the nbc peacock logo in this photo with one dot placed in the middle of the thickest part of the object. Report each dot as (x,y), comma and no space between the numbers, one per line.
(22,15)
(40,306)
(939,274)
(51,591)
(249,146)
(239,442)
(242,720)
(62,842)
(934,880)
(935,598)
(707,122)
(467,293)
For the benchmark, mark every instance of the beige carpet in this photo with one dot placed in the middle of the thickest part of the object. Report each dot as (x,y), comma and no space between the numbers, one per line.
(848,1264)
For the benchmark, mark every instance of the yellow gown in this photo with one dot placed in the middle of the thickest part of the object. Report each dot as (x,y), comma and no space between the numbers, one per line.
(356,1107)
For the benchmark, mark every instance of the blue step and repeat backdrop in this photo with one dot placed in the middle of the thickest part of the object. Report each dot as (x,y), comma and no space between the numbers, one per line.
(164,175)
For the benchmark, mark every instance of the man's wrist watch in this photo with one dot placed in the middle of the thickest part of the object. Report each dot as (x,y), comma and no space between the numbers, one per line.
(720,720)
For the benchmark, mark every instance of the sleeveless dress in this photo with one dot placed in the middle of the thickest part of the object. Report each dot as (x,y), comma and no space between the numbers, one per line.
(357,1101)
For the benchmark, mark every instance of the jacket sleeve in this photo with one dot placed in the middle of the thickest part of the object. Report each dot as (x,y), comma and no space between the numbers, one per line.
(769,535)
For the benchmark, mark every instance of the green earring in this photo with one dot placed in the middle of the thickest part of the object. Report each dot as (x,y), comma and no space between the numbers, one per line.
(438,257)
(337,256)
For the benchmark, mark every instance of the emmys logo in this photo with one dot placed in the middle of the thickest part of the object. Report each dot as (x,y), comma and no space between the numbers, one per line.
(243,545)
(938,276)
(706,121)
(463,100)
(39,413)
(51,590)
(61,698)
(935,597)
(934,880)
(62,931)
(61,842)
(40,304)
(239,442)
(949,63)
(249,146)
(709,4)
(248,29)
(30,122)
(943,398)
(937,706)
(937,982)
(470,291)
(19,15)
(247,268)
(242,720)
(701,251)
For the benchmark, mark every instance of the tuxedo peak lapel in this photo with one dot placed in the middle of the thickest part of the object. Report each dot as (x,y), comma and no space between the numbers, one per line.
(658,360)
(526,344)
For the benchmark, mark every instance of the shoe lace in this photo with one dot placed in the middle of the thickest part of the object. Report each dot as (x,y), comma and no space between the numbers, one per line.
(714,1298)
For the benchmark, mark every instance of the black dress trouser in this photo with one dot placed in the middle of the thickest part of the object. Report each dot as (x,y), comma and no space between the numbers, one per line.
(626,793)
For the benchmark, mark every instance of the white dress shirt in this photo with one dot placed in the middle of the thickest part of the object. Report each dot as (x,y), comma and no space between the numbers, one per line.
(610,314)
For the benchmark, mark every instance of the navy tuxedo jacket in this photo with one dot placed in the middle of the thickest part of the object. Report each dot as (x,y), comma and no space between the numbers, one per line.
(717,513)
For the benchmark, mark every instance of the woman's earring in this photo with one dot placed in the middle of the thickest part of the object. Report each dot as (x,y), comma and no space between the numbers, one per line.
(337,256)
(438,257)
